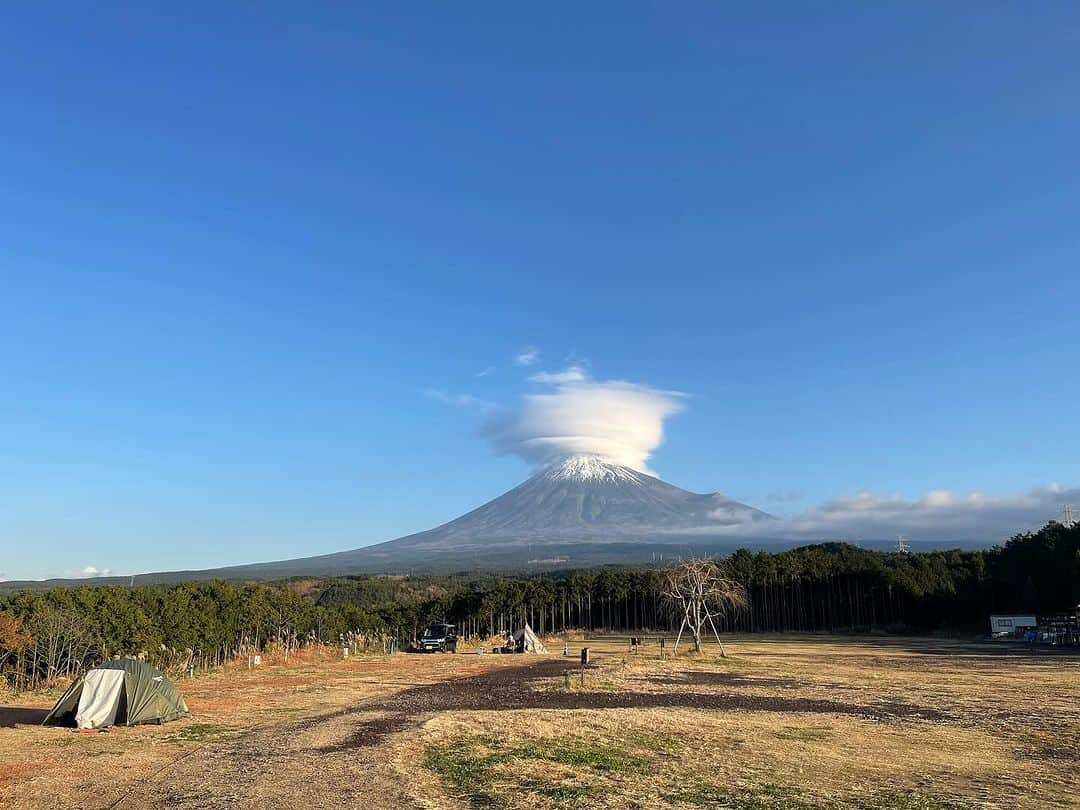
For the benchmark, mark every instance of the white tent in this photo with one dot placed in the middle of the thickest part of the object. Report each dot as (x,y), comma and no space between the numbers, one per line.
(527,641)
(100,698)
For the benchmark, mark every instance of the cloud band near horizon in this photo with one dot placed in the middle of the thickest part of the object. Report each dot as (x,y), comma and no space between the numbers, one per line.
(939,515)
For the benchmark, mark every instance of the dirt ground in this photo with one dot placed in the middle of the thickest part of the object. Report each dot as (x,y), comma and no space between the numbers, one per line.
(787,722)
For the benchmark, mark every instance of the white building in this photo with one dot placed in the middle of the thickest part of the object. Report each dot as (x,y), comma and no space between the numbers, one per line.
(1012,624)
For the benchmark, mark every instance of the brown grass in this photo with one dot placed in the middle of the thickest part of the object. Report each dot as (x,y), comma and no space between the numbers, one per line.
(51,767)
(926,723)
(962,727)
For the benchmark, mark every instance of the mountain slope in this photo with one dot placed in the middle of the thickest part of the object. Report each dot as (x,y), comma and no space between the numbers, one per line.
(585,497)
(579,511)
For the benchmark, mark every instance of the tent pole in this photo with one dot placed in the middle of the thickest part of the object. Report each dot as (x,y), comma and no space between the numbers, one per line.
(723,652)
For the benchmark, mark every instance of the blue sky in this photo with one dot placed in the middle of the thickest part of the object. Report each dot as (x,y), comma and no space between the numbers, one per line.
(255,261)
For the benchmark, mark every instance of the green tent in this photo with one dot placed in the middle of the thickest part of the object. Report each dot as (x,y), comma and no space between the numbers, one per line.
(120,692)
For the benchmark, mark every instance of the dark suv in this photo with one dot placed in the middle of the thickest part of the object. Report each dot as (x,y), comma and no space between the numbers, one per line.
(439,638)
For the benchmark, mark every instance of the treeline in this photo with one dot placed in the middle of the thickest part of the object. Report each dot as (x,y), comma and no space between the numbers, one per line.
(832,587)
(62,631)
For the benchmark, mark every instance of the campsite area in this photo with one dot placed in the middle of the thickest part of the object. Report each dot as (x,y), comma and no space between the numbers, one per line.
(783,722)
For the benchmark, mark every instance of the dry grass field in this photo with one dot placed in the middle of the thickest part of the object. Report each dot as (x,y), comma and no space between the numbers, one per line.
(787,722)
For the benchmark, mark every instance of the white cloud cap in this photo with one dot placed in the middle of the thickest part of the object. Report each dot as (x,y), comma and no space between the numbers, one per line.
(621,422)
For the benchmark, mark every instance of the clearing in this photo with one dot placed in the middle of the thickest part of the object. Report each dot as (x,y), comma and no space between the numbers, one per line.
(786,722)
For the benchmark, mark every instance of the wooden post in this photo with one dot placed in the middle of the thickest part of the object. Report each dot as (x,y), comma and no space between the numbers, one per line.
(661,647)
(584,663)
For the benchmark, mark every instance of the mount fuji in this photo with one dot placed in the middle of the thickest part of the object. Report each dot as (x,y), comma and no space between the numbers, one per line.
(580,510)
(583,497)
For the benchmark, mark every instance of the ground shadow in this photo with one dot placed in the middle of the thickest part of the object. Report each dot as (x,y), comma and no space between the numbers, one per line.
(923,645)
(509,689)
(11,716)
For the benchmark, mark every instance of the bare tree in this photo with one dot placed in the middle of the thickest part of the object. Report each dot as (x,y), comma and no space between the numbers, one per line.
(55,642)
(700,589)
(13,638)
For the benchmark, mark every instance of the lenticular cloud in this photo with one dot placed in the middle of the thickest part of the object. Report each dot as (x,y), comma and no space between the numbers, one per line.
(618,421)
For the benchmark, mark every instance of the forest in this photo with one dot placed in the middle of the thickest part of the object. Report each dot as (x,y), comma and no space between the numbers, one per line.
(830,587)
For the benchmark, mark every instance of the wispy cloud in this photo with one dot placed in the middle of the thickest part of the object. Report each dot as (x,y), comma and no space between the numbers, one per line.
(527,356)
(487,372)
(571,374)
(616,420)
(464,400)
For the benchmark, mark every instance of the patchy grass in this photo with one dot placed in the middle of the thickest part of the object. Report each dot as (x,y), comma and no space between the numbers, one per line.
(603,686)
(574,754)
(473,768)
(206,732)
(913,801)
(560,793)
(804,733)
(655,741)
(767,797)
(927,725)
(976,728)
(774,797)
(466,772)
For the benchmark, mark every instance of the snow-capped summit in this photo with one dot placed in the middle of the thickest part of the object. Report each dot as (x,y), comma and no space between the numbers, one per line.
(588,468)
